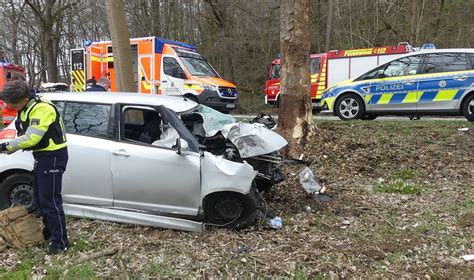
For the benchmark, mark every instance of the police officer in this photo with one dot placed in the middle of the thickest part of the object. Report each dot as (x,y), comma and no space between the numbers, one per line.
(41,130)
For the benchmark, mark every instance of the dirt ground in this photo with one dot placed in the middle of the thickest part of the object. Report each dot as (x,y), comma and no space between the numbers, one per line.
(402,205)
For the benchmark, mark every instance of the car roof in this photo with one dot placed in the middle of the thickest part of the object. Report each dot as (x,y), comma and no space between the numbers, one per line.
(175,103)
(428,51)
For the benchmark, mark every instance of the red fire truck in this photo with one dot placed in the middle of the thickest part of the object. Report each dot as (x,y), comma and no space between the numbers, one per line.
(327,69)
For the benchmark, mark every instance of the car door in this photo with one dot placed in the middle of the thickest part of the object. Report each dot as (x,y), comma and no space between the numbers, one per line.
(172,76)
(87,179)
(395,87)
(149,177)
(444,79)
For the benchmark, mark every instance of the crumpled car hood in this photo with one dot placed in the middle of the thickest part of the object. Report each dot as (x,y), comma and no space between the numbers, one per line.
(250,139)
(253,139)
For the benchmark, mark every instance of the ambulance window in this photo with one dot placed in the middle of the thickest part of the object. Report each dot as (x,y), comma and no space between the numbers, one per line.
(314,65)
(403,66)
(172,68)
(446,62)
(9,76)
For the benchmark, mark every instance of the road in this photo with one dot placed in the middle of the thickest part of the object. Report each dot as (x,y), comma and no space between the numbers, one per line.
(330,117)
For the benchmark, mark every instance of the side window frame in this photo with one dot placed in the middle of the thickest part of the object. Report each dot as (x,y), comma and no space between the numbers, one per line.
(425,64)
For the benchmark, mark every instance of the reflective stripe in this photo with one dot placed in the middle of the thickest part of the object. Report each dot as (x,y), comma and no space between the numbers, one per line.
(31,131)
(445,95)
(8,118)
(385,98)
(412,97)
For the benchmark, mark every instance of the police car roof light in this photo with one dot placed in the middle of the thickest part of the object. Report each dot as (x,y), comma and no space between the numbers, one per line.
(428,46)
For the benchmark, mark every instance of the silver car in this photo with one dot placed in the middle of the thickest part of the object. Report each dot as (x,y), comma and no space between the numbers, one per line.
(153,160)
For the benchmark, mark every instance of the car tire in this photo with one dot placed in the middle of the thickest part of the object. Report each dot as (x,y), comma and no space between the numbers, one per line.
(468,108)
(17,189)
(231,209)
(350,107)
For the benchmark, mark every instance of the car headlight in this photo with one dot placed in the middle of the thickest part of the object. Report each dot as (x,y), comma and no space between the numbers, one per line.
(208,87)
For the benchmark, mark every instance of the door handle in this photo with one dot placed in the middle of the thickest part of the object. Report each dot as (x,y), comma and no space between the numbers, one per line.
(461,78)
(121,152)
(164,82)
(409,82)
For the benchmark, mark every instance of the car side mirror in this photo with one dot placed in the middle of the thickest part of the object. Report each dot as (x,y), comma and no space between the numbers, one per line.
(380,74)
(182,146)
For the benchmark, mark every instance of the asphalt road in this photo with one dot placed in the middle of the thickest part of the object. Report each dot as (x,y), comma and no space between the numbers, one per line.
(328,116)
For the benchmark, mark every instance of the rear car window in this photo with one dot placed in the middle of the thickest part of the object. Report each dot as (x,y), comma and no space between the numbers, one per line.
(446,62)
(87,119)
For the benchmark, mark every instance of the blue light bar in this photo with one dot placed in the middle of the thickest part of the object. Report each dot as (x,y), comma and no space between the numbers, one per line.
(159,43)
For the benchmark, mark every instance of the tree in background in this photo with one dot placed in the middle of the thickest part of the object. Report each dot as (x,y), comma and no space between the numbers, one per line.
(120,45)
(295,120)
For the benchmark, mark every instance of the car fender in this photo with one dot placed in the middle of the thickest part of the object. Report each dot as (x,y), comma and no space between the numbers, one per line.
(18,160)
(219,174)
(341,93)
(464,95)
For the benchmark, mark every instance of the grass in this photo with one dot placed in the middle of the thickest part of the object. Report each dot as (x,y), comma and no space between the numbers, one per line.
(159,269)
(468,203)
(404,174)
(398,186)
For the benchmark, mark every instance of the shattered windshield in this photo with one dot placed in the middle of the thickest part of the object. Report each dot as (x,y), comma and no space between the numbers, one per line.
(212,120)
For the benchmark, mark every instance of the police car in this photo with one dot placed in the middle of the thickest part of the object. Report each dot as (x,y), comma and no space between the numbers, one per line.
(428,82)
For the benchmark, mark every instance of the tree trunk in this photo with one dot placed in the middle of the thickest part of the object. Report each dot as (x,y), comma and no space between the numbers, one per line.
(121,45)
(295,118)
(329,25)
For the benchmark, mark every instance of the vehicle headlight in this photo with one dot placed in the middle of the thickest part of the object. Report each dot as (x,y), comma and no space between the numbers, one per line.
(208,87)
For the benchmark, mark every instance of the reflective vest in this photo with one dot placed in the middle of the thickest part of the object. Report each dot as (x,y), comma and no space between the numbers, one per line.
(39,127)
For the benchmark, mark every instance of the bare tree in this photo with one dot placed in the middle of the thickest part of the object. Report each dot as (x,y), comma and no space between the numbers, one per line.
(121,45)
(295,118)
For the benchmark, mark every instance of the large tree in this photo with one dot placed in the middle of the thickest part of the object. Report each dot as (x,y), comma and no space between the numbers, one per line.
(295,118)
(120,45)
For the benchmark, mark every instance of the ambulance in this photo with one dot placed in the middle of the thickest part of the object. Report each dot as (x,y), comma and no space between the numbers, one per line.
(327,69)
(165,67)
(7,71)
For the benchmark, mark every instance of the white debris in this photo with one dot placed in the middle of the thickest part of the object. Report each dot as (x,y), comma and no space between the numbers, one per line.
(468,257)
(308,181)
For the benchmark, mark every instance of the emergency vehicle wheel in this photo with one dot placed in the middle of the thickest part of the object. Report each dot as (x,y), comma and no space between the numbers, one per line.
(17,189)
(468,108)
(231,209)
(350,107)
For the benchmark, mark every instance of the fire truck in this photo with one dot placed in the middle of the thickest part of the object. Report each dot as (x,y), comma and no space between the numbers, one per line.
(327,69)
(161,67)
(7,71)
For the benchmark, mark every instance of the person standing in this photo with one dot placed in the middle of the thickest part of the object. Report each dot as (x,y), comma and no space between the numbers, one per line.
(40,129)
(8,114)
(103,84)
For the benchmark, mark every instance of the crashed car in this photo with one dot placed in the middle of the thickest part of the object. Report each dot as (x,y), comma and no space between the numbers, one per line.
(153,160)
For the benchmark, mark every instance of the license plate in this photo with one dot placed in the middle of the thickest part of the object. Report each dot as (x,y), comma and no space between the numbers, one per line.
(230,105)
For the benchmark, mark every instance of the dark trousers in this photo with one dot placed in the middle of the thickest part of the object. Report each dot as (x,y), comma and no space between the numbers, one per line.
(47,183)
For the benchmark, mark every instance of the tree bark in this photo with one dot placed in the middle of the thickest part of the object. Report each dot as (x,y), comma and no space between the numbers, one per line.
(120,45)
(329,25)
(295,118)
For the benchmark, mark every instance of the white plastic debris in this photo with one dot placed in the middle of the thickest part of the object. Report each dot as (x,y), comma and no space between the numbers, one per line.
(468,257)
(463,128)
(308,181)
(276,223)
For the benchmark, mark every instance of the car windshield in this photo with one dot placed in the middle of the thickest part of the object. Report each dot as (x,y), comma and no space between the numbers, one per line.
(198,66)
(212,120)
(275,71)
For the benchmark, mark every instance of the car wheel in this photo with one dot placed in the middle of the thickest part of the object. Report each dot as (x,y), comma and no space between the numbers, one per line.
(468,108)
(350,107)
(231,209)
(17,189)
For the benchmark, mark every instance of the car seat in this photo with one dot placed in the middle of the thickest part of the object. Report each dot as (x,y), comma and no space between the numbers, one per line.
(151,128)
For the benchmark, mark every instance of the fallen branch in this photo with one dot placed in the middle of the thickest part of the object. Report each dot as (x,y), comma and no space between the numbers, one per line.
(96,255)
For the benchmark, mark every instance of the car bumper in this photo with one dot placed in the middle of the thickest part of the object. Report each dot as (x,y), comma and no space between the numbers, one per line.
(217,102)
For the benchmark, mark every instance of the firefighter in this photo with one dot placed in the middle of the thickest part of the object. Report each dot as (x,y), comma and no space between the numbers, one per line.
(41,130)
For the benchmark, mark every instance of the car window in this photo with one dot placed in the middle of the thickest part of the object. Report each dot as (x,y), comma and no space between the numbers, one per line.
(172,68)
(403,66)
(87,119)
(446,62)
(314,65)
(276,71)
